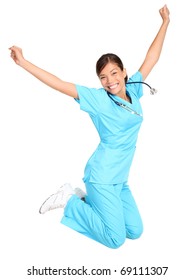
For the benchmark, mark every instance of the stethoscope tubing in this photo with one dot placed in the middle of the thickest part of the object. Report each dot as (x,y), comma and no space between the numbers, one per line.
(152,91)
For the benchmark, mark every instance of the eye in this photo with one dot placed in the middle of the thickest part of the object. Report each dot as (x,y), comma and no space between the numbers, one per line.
(114,73)
(102,78)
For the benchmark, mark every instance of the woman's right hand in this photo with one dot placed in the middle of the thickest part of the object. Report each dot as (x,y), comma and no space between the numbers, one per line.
(16,54)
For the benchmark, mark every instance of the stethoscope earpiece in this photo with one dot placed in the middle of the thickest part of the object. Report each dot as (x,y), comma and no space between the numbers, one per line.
(153,91)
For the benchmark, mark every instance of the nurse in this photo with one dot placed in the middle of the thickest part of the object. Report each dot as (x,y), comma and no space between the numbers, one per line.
(107,212)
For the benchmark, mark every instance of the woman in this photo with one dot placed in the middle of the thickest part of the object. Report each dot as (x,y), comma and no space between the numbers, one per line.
(107,212)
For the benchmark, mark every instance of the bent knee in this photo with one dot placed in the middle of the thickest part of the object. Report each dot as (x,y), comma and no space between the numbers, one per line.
(116,241)
(135,232)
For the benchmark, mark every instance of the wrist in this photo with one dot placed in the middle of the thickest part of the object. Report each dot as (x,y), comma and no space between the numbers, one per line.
(166,21)
(23,63)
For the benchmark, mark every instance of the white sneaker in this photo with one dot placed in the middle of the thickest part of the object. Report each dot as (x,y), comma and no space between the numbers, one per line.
(58,199)
(80,193)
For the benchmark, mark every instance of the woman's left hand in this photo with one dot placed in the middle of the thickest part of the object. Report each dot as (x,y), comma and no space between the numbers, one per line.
(164,12)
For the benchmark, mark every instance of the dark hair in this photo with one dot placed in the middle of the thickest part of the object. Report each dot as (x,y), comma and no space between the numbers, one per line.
(105,59)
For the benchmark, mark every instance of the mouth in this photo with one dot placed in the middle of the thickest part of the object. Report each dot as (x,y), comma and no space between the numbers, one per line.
(113,86)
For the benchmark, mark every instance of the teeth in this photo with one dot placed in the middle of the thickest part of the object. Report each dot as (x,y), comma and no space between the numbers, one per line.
(113,86)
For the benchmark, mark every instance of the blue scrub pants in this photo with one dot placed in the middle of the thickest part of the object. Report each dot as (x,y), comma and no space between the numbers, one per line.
(109,214)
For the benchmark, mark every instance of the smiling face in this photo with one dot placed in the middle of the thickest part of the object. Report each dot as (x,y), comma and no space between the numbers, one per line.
(113,79)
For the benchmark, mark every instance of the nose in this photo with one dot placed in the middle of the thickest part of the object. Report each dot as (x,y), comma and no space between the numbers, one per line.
(109,79)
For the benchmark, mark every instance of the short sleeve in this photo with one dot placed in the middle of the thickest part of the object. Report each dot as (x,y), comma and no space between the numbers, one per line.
(90,99)
(136,88)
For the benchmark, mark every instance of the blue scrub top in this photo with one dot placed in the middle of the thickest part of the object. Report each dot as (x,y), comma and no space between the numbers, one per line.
(118,131)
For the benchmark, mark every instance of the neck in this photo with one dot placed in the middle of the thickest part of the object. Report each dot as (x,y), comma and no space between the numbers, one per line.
(126,97)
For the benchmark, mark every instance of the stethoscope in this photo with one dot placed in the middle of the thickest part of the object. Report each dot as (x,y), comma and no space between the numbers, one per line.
(152,92)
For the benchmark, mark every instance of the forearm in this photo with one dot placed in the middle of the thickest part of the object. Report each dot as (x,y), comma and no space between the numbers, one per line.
(42,75)
(154,51)
(155,48)
(46,77)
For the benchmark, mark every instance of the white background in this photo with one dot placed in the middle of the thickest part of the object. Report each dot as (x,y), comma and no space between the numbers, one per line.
(45,140)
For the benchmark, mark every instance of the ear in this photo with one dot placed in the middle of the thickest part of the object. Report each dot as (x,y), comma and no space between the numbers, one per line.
(124,73)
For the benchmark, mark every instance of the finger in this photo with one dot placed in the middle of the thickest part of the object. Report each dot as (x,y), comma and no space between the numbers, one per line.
(13,55)
(11,48)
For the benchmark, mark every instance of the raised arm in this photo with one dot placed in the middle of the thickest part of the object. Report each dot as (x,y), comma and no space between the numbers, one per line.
(155,48)
(44,76)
